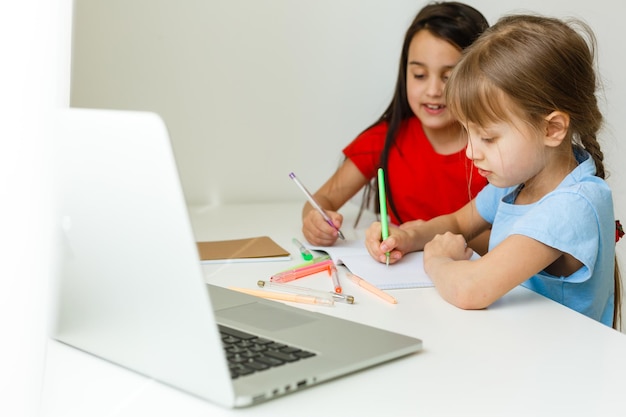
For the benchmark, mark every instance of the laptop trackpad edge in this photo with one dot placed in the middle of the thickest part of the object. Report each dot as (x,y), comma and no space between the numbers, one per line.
(263,316)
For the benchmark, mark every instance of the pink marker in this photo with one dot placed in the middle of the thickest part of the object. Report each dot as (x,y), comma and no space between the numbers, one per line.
(304,271)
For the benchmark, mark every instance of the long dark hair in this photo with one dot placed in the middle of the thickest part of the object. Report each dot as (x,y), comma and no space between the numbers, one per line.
(454,22)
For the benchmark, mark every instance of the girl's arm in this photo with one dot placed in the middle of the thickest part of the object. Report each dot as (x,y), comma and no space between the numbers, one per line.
(477,284)
(339,188)
(413,236)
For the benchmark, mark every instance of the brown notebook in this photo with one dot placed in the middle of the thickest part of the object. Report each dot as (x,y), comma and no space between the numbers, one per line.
(256,249)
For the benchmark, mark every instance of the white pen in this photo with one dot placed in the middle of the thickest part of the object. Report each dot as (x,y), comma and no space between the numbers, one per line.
(315,205)
(303,290)
(335,277)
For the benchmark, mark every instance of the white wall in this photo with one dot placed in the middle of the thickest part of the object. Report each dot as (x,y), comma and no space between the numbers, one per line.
(34,40)
(252,90)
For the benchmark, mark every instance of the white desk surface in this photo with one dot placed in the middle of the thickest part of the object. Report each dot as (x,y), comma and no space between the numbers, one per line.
(523,356)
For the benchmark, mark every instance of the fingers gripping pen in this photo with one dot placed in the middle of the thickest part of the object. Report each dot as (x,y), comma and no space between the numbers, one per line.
(315,205)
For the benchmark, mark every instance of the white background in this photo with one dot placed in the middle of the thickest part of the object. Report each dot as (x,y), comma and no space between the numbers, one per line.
(251,90)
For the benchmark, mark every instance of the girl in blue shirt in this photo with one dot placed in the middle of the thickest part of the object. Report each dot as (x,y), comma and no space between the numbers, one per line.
(525,93)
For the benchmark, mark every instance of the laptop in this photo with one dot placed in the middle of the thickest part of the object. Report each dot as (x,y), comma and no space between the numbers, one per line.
(130,287)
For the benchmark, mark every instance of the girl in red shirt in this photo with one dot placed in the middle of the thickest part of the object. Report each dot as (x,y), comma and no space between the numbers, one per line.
(416,141)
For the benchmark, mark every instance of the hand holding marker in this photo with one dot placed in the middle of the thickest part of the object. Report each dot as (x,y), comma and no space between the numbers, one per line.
(315,205)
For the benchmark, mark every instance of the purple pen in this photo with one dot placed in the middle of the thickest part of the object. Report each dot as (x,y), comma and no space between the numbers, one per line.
(315,205)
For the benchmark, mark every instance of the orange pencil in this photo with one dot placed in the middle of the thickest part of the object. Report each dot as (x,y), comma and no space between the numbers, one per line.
(371,288)
(296,298)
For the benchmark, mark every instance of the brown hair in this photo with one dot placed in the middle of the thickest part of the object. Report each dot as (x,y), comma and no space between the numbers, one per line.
(541,65)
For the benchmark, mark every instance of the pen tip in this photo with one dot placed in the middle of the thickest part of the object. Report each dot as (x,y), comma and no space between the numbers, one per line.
(340,235)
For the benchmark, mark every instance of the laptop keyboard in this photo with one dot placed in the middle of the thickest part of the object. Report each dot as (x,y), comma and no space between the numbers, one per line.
(247,353)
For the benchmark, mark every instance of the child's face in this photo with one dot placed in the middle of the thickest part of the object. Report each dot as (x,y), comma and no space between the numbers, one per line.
(506,153)
(430,61)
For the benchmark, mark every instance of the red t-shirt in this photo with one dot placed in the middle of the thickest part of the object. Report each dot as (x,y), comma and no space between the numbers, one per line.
(423,183)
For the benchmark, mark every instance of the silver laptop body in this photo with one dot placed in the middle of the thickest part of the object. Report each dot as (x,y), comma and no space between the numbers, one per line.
(130,288)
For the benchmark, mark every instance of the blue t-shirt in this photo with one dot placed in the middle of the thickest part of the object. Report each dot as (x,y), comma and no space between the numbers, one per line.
(576,218)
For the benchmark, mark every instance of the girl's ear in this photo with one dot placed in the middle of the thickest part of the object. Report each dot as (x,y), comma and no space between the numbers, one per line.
(557,125)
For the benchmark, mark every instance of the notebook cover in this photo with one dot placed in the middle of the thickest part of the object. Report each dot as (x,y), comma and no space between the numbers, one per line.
(254,248)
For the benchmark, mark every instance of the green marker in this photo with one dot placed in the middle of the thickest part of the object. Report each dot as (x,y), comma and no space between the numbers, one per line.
(382,198)
(306,254)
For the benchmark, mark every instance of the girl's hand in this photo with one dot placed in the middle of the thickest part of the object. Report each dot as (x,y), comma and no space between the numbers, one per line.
(447,245)
(319,233)
(393,244)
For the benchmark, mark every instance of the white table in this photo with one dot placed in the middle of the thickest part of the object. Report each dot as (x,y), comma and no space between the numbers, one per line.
(523,356)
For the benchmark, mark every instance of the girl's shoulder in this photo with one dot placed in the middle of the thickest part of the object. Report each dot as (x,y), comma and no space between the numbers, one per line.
(374,133)
(410,124)
(582,183)
(375,136)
